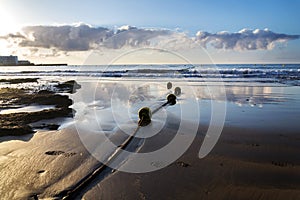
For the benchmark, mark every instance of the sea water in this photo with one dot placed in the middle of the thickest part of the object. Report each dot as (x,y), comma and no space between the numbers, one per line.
(278,73)
(112,95)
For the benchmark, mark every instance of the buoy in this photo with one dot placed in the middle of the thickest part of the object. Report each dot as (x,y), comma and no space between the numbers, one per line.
(145,116)
(171,98)
(177,91)
(169,85)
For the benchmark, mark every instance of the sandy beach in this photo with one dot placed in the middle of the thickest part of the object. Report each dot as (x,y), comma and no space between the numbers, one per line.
(253,158)
(149,100)
(243,165)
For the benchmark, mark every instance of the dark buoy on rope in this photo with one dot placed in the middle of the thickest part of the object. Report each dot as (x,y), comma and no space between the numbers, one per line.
(169,85)
(145,116)
(177,91)
(171,98)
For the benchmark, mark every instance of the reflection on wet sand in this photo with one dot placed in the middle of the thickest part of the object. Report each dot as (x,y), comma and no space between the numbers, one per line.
(244,163)
(251,95)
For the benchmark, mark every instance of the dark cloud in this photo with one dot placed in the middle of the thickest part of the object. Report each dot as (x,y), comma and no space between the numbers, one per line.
(64,38)
(13,36)
(243,40)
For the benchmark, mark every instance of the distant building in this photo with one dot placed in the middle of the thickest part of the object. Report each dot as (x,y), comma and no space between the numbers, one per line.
(13,61)
(8,60)
(24,62)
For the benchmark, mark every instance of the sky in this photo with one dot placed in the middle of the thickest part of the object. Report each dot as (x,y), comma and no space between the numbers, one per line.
(231,31)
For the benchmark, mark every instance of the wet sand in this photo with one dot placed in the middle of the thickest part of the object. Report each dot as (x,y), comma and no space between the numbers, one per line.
(250,160)
(245,164)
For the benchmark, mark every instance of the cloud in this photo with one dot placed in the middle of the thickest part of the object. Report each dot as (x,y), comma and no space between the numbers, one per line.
(245,39)
(64,38)
(133,37)
(82,37)
(12,36)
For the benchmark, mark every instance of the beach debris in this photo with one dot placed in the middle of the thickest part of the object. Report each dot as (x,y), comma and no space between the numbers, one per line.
(70,154)
(177,91)
(171,98)
(169,85)
(145,116)
(41,171)
(54,153)
(282,164)
(73,191)
(34,197)
(182,164)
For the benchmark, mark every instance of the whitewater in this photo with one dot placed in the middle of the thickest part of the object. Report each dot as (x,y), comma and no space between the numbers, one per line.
(271,73)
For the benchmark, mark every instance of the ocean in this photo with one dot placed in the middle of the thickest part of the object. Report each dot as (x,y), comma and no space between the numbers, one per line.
(288,74)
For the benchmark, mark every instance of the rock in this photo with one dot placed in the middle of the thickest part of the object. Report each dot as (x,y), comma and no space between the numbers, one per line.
(182,164)
(68,86)
(18,123)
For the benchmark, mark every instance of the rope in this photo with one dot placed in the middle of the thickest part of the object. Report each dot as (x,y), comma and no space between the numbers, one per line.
(145,119)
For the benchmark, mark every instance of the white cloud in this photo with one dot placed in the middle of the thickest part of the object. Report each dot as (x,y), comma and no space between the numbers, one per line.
(245,39)
(83,37)
(132,37)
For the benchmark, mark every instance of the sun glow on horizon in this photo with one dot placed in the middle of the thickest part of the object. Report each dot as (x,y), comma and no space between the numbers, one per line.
(7,22)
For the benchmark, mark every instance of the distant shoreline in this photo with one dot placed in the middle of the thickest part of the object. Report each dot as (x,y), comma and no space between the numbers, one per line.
(154,64)
(55,64)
